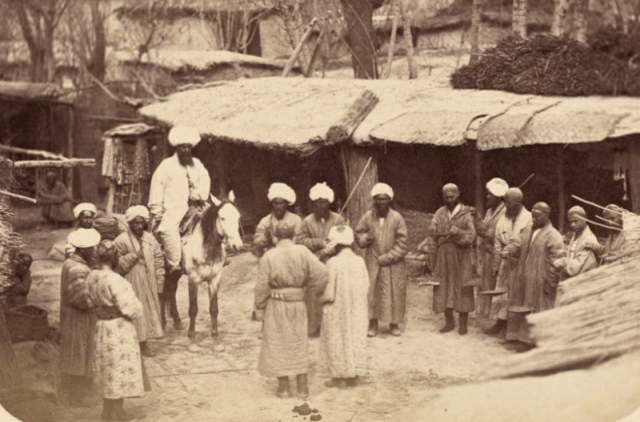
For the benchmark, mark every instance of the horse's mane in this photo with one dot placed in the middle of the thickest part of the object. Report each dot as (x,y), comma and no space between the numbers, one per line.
(211,242)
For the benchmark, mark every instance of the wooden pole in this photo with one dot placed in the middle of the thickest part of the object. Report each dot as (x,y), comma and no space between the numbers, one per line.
(299,47)
(406,30)
(357,158)
(70,148)
(74,162)
(395,10)
(479,182)
(561,200)
(634,175)
(316,52)
(16,196)
(32,152)
(111,196)
(221,159)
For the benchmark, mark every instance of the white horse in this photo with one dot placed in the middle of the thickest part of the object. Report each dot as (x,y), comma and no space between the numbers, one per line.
(203,256)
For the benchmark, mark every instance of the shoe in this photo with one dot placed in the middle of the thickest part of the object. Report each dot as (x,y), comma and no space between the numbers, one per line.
(448,325)
(395,330)
(495,330)
(146,351)
(373,328)
(283,390)
(303,389)
(286,394)
(117,412)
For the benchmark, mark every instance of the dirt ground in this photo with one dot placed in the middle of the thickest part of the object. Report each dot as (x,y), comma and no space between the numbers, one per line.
(402,372)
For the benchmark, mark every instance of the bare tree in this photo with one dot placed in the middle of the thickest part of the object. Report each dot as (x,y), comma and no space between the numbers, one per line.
(519,24)
(558,27)
(476,15)
(406,30)
(579,10)
(38,20)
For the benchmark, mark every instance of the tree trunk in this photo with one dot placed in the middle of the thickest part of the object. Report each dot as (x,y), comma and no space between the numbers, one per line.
(558,27)
(520,17)
(622,14)
(98,59)
(580,8)
(476,14)
(359,18)
(395,10)
(406,31)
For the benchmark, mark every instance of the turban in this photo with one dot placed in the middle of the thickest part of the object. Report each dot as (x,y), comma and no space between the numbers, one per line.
(514,194)
(543,207)
(497,187)
(450,187)
(321,191)
(105,250)
(85,206)
(382,189)
(612,211)
(135,212)
(285,230)
(280,190)
(179,135)
(84,238)
(52,173)
(341,235)
(577,210)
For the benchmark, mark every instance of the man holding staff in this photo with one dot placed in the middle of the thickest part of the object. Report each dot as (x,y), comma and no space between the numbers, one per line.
(616,241)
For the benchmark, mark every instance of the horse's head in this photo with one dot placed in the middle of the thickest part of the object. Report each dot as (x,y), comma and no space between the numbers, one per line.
(228,221)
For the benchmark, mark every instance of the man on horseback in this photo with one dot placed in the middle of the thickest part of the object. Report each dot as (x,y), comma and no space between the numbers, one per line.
(180,184)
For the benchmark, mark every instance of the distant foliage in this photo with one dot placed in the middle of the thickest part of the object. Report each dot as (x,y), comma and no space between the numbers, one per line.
(548,65)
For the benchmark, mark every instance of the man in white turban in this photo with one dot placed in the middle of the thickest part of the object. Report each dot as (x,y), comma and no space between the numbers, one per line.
(180,184)
(382,231)
(140,261)
(313,234)
(85,214)
(486,231)
(77,321)
(281,197)
(579,258)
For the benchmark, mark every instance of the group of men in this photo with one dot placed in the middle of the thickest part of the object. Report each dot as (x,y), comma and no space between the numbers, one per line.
(523,258)
(381,232)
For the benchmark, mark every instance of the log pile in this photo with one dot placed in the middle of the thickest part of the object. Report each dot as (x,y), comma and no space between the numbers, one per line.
(597,317)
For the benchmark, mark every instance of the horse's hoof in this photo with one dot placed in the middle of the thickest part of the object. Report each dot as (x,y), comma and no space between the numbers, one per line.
(178,325)
(193,348)
(218,348)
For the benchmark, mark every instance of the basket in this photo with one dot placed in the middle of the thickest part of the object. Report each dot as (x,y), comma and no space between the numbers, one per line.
(27,323)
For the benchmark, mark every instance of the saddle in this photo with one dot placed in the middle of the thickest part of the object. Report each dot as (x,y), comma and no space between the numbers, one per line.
(192,217)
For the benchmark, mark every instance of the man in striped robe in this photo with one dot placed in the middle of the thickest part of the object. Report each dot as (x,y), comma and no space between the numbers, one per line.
(616,240)
(383,233)
(77,321)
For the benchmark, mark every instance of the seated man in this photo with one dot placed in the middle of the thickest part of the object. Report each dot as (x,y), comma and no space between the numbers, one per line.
(55,199)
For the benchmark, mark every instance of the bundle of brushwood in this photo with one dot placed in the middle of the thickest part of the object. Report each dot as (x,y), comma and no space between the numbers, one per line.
(549,65)
(10,241)
(598,317)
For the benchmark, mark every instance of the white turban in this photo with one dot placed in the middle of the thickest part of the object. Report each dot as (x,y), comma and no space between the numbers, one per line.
(280,190)
(497,187)
(84,238)
(577,210)
(341,235)
(321,191)
(451,187)
(85,206)
(183,135)
(382,189)
(137,211)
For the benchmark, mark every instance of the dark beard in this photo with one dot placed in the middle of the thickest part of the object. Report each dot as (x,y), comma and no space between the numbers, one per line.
(185,160)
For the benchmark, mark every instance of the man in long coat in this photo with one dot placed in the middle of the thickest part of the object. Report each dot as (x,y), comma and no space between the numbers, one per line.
(281,197)
(453,229)
(140,261)
(383,233)
(77,321)
(508,232)
(616,241)
(579,259)
(284,273)
(313,234)
(541,245)
(486,231)
(180,183)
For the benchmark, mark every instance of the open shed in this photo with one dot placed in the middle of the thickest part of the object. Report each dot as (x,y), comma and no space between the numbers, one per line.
(418,136)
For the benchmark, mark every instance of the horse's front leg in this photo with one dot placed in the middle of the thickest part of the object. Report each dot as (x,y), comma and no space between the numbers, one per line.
(214,285)
(193,312)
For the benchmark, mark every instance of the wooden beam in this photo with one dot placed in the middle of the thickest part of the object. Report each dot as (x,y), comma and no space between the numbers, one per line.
(16,196)
(298,49)
(75,162)
(32,152)
(357,112)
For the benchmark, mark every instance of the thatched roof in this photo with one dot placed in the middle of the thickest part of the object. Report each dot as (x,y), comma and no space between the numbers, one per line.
(294,114)
(28,91)
(196,60)
(174,9)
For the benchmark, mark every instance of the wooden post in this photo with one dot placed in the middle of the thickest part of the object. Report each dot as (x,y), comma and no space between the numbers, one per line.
(316,52)
(561,200)
(111,197)
(70,149)
(634,175)
(479,182)
(221,168)
(356,160)
(298,49)
(395,10)
(406,30)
